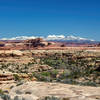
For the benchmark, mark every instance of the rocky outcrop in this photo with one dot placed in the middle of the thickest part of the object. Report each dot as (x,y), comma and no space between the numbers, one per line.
(36,42)
(2,44)
(5,76)
(11,53)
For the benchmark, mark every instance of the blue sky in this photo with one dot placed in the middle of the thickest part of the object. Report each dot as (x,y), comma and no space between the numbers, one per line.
(44,17)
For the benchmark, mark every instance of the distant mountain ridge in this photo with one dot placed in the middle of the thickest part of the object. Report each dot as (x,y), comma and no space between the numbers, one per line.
(58,38)
(69,39)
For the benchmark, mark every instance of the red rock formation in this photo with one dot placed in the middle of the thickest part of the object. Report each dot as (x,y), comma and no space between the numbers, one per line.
(2,44)
(38,42)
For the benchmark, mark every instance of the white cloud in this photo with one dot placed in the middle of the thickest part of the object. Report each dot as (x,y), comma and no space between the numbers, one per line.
(55,37)
(49,37)
(20,38)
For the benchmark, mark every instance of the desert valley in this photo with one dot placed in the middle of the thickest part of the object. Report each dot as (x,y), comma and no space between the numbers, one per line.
(36,69)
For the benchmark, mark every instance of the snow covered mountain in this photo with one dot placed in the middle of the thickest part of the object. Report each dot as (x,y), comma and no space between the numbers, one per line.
(67,38)
(59,38)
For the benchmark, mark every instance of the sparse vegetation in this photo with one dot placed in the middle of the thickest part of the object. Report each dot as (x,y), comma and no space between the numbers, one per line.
(1,92)
(50,98)
(78,67)
(16,77)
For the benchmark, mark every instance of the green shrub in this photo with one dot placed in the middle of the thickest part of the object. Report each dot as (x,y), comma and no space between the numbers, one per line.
(45,73)
(16,77)
(54,73)
(1,91)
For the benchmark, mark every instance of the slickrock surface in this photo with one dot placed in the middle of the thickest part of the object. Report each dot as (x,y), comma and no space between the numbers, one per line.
(37,90)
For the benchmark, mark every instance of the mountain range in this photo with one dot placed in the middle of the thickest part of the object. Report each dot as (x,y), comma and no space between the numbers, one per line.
(58,38)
